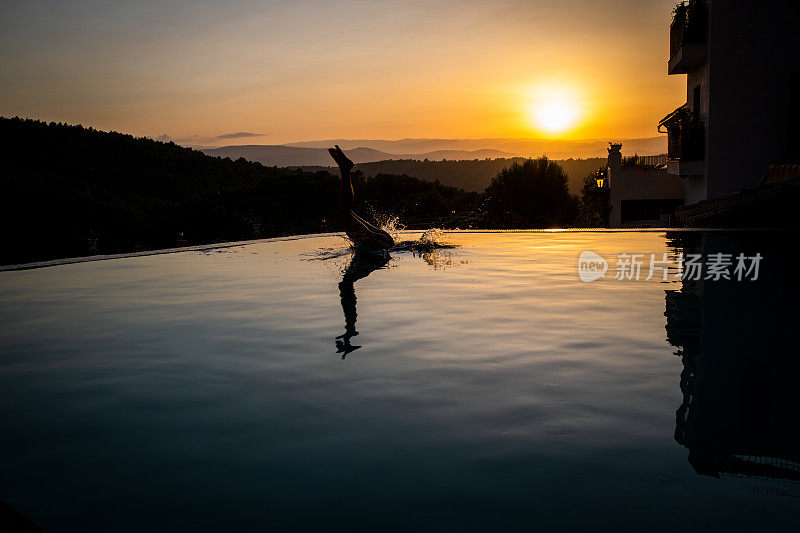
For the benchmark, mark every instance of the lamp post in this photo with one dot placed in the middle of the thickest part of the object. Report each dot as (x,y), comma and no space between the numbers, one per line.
(600,177)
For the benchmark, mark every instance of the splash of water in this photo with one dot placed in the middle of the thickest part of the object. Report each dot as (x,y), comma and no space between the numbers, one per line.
(386,221)
(433,236)
(392,226)
(429,242)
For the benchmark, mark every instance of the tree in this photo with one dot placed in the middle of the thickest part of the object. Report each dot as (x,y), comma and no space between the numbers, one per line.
(531,194)
(595,205)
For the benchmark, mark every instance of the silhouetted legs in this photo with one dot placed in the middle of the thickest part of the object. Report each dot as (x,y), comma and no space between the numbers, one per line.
(362,233)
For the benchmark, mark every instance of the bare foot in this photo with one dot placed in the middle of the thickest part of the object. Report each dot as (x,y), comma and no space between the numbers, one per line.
(345,165)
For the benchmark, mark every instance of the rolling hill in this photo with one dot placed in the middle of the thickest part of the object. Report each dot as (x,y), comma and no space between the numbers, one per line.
(508,147)
(295,156)
(70,190)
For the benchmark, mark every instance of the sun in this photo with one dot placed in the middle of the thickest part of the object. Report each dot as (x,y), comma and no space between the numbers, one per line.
(553,110)
(555,117)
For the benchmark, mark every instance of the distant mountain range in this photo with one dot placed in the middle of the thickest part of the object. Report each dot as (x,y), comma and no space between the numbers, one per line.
(314,153)
(289,156)
(555,149)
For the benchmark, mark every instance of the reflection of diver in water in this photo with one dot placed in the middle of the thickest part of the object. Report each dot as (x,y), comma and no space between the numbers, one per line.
(362,233)
(361,265)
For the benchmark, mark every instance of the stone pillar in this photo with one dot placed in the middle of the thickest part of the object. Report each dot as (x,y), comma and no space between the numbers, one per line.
(614,161)
(613,171)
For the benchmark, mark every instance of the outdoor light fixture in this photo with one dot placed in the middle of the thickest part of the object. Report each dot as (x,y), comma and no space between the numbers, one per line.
(600,178)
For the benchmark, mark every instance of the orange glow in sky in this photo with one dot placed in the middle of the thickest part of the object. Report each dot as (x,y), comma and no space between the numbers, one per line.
(247,72)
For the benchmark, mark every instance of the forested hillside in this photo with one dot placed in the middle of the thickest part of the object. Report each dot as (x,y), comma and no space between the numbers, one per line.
(67,188)
(470,175)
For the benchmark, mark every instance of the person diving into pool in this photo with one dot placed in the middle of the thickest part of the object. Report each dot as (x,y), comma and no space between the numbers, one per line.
(362,233)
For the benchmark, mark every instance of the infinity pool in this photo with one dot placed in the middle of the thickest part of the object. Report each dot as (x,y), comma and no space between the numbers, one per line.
(291,385)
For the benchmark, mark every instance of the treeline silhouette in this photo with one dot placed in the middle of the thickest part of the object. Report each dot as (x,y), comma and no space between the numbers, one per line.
(469,174)
(70,190)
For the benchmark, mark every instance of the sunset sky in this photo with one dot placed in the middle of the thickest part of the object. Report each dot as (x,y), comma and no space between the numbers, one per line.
(209,73)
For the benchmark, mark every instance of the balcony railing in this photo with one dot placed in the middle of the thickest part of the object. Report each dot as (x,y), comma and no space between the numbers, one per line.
(686,138)
(688,36)
(644,161)
(689,25)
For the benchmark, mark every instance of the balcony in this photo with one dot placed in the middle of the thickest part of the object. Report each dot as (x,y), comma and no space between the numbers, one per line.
(644,162)
(686,141)
(688,42)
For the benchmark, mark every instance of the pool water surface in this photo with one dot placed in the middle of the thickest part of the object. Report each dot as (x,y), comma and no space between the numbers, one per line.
(293,385)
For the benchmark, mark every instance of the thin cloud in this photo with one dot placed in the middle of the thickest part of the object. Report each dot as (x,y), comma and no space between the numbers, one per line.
(240,135)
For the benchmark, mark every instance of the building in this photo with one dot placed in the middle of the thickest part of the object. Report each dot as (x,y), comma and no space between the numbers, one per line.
(641,191)
(742,111)
(738,415)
